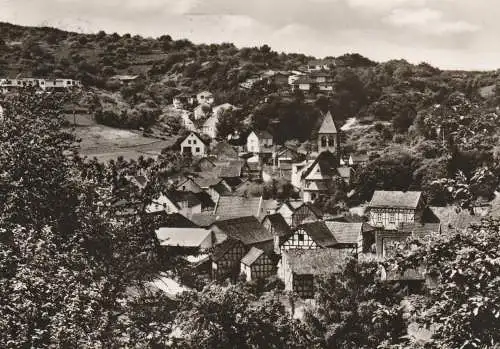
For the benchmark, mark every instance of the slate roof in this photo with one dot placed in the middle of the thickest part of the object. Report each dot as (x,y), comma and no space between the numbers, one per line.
(304,80)
(345,233)
(203,220)
(205,199)
(321,61)
(252,256)
(237,206)
(317,262)
(327,163)
(220,188)
(280,226)
(230,171)
(173,220)
(395,199)
(181,196)
(420,228)
(344,172)
(245,229)
(182,237)
(263,134)
(206,182)
(320,233)
(223,248)
(451,220)
(328,126)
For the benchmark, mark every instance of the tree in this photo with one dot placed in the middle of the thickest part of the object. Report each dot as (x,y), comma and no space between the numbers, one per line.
(66,261)
(463,307)
(229,121)
(354,310)
(230,317)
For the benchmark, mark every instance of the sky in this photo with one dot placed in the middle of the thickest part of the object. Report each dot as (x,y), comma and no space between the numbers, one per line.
(450,34)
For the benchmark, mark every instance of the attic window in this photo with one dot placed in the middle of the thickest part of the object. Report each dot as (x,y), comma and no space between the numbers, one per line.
(301,237)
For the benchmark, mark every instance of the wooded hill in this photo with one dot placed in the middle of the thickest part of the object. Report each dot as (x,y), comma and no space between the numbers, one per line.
(422,122)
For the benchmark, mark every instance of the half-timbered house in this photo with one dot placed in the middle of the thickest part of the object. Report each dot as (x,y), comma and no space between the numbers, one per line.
(256,264)
(299,268)
(388,209)
(357,237)
(277,226)
(226,259)
(309,236)
(188,184)
(248,230)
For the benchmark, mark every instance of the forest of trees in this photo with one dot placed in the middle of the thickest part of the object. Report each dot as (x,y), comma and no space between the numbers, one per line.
(74,273)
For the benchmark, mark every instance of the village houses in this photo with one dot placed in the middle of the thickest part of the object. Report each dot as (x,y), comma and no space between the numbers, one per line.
(388,209)
(195,145)
(260,143)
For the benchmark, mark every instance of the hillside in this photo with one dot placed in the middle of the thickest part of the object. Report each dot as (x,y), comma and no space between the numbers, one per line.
(418,120)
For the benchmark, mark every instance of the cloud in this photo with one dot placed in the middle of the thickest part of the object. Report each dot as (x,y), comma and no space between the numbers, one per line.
(428,21)
(384,5)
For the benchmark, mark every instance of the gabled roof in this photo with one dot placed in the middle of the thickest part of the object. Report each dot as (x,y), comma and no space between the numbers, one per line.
(182,237)
(304,80)
(206,182)
(231,171)
(203,220)
(280,226)
(205,199)
(223,248)
(318,261)
(245,229)
(205,159)
(345,233)
(172,220)
(237,206)
(252,256)
(344,172)
(180,196)
(220,188)
(328,126)
(327,163)
(321,61)
(263,134)
(320,233)
(315,210)
(396,199)
(197,135)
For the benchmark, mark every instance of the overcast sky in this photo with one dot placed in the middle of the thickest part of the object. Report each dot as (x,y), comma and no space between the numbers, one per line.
(461,34)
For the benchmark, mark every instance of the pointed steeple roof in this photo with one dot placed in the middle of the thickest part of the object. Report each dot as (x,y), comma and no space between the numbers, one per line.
(328,126)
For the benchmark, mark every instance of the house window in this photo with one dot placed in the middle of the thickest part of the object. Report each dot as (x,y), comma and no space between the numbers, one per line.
(189,142)
(379,217)
(392,218)
(194,141)
(197,149)
(323,141)
(301,237)
(331,141)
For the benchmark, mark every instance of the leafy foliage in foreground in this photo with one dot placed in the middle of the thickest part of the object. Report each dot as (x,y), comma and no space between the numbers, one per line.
(67,264)
(464,306)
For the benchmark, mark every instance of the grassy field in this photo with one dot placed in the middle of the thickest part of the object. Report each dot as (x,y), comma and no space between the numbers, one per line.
(107,143)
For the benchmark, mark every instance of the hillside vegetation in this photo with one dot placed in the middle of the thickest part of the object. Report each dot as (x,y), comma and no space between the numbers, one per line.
(425,128)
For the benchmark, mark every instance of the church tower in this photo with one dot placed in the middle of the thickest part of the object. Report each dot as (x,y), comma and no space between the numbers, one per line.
(328,137)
